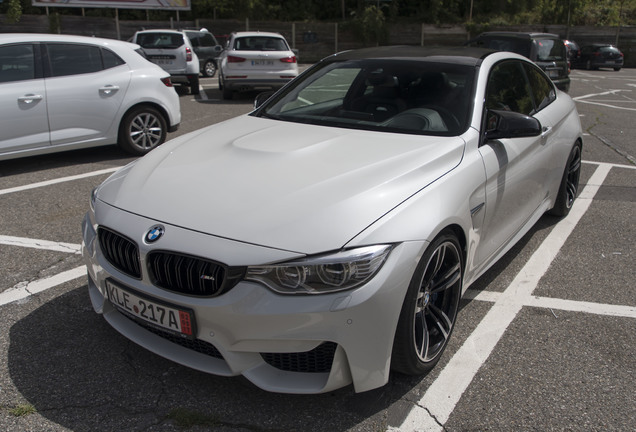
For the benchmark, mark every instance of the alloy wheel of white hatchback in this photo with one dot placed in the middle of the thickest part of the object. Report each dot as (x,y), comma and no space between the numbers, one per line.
(430,308)
(142,130)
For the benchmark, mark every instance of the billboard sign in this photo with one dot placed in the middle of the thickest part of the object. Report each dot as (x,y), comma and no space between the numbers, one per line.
(120,4)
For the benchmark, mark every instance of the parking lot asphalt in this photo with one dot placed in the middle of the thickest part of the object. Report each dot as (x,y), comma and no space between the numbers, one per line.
(545,340)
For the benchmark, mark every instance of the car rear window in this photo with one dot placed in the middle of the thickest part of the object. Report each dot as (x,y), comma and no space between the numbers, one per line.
(608,49)
(550,50)
(159,40)
(260,43)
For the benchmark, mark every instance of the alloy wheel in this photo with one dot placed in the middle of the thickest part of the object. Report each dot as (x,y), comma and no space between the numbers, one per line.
(437,301)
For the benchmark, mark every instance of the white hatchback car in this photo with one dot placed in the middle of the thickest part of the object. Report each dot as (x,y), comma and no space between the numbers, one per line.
(61,92)
(328,236)
(256,61)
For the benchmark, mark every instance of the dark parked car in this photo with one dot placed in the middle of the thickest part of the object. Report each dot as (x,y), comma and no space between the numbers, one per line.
(600,55)
(547,50)
(574,52)
(206,48)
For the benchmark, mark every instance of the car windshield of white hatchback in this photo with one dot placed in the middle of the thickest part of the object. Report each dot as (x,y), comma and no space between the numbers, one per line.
(260,43)
(403,96)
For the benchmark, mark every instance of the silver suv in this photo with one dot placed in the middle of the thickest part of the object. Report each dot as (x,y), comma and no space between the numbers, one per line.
(171,50)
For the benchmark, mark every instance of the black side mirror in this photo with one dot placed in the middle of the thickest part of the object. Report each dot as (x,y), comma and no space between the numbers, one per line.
(218,48)
(261,98)
(509,124)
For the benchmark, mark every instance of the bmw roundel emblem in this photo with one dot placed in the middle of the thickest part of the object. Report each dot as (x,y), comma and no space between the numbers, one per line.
(154,233)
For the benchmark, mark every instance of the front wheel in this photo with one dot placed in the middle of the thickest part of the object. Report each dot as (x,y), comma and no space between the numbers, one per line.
(430,308)
(141,130)
(569,183)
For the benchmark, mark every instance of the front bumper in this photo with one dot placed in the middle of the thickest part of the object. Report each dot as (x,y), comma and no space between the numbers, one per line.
(271,339)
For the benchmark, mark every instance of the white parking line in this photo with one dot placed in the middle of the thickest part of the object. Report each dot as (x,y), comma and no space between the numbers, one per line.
(433,410)
(28,289)
(440,399)
(56,181)
(40,244)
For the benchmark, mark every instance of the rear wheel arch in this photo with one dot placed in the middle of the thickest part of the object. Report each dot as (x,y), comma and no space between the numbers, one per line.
(122,133)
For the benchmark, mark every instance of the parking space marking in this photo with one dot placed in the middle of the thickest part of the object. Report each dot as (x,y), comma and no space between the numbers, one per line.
(433,410)
(28,289)
(607,103)
(56,181)
(40,244)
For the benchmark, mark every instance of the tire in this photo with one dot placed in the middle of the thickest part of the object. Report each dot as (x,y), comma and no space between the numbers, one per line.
(430,308)
(141,130)
(617,69)
(569,183)
(194,86)
(220,81)
(209,69)
(588,65)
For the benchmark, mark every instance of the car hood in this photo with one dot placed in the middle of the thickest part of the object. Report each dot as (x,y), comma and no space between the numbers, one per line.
(297,187)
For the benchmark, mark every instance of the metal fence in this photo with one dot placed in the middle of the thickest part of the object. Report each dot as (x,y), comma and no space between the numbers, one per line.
(314,40)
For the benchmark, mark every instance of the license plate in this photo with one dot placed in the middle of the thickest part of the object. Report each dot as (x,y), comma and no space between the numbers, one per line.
(164,62)
(159,314)
(553,73)
(262,62)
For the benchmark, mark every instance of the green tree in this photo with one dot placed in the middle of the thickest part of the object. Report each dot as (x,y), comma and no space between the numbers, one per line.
(14,12)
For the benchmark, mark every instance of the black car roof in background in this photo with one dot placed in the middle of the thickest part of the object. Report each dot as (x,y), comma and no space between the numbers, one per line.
(461,55)
(520,35)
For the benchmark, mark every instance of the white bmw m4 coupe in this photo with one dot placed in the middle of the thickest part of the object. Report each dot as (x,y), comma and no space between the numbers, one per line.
(328,236)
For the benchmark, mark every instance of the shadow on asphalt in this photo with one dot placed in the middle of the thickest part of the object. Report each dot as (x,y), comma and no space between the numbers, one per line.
(78,372)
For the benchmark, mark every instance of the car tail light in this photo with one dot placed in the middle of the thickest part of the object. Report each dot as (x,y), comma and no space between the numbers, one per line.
(234,59)
(291,59)
(188,54)
(166,81)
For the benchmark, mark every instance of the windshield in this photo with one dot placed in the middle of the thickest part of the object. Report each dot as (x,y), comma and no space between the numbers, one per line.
(391,95)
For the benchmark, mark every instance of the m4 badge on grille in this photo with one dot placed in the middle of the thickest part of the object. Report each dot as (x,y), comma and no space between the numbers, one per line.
(207,277)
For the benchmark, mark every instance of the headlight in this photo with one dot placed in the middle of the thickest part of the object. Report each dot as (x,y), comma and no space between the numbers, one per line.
(322,274)
(93,198)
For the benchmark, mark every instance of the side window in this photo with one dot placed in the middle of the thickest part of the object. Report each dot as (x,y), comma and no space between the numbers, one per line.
(111,59)
(17,63)
(508,89)
(541,86)
(195,40)
(70,59)
(207,40)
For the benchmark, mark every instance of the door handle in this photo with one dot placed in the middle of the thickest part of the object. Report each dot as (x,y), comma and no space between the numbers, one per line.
(547,130)
(108,89)
(30,98)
